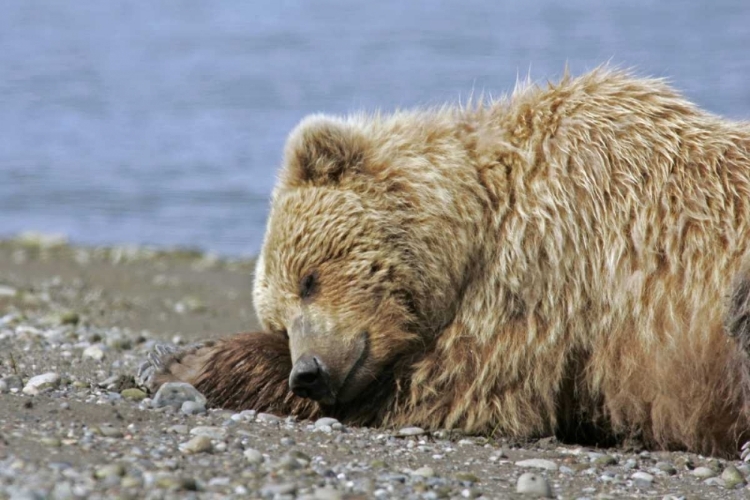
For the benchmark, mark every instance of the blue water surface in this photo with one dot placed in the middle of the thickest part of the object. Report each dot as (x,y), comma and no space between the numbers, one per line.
(162,122)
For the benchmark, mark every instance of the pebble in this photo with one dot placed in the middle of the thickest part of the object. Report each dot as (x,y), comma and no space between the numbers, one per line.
(109,431)
(42,383)
(7,291)
(411,431)
(605,460)
(52,442)
(177,483)
(714,481)
(111,470)
(466,477)
(642,479)
(703,472)
(325,422)
(533,485)
(327,494)
(133,394)
(95,352)
(193,408)
(199,444)
(69,318)
(732,477)
(217,433)
(12,382)
(178,429)
(666,467)
(267,417)
(424,472)
(175,394)
(273,490)
(253,456)
(538,463)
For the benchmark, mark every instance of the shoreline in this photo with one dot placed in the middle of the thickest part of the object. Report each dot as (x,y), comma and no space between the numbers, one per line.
(88,316)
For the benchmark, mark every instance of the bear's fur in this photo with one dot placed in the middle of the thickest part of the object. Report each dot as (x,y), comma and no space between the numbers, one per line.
(564,260)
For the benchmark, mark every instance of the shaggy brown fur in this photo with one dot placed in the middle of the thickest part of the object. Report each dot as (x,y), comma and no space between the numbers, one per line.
(556,261)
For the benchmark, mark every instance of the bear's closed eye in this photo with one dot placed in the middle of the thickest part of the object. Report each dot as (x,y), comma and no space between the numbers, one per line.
(307,285)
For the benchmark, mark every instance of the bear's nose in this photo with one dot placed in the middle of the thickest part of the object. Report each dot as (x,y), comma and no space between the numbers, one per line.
(309,378)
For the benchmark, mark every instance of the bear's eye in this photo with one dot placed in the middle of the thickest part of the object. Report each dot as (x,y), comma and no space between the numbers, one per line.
(307,285)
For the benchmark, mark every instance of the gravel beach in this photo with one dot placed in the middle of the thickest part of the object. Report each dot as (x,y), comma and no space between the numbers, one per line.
(76,322)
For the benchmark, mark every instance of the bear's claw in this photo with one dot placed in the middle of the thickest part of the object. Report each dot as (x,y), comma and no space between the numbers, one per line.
(152,371)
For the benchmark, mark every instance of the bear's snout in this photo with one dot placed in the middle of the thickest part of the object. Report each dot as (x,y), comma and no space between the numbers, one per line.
(309,378)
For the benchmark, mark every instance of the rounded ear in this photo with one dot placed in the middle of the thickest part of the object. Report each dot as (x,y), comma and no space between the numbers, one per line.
(321,149)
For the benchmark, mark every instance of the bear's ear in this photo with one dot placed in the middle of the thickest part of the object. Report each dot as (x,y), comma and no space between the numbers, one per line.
(321,149)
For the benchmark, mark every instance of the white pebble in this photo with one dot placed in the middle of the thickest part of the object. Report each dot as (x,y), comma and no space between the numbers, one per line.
(217,433)
(642,479)
(411,431)
(538,463)
(267,417)
(325,421)
(253,456)
(533,484)
(424,472)
(193,408)
(703,472)
(94,352)
(42,383)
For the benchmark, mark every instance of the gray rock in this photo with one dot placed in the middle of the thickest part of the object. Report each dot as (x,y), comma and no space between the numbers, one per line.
(175,394)
(642,479)
(533,485)
(272,490)
(95,352)
(538,463)
(111,470)
(12,382)
(217,433)
(199,444)
(411,431)
(604,460)
(327,494)
(714,481)
(63,490)
(703,472)
(424,472)
(253,456)
(268,418)
(325,421)
(42,383)
(109,431)
(666,467)
(732,477)
(193,408)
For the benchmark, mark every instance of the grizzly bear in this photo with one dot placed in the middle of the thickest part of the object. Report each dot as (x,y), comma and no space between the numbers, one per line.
(567,260)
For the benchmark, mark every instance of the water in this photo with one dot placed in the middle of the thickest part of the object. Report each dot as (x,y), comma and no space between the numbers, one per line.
(162,122)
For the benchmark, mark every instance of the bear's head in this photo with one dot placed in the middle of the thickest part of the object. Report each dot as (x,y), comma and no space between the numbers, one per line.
(344,271)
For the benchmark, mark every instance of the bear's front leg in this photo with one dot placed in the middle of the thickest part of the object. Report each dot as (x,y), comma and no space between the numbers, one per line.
(247,371)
